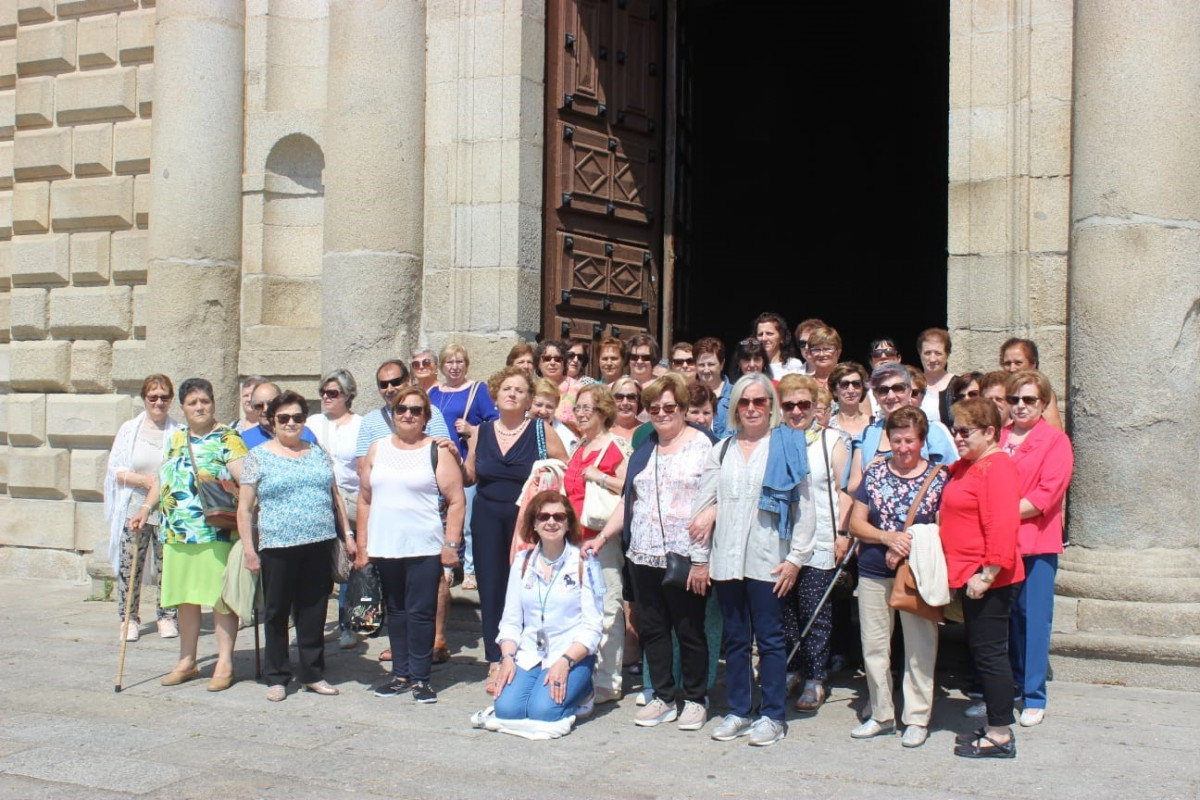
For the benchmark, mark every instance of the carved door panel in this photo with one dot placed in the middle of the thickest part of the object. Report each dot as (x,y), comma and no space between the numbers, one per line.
(603,189)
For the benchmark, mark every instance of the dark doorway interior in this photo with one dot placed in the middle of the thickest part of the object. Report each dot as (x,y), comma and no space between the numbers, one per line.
(818,161)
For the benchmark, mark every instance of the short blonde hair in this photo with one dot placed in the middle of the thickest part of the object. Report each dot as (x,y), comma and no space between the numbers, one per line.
(454,349)
(546,388)
(671,382)
(792,382)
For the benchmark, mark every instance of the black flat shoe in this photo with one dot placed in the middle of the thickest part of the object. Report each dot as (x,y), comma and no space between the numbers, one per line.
(995,750)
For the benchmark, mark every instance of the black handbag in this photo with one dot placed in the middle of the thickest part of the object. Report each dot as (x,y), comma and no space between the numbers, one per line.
(678,569)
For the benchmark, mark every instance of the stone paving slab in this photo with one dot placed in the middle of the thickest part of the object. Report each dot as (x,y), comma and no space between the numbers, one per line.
(65,734)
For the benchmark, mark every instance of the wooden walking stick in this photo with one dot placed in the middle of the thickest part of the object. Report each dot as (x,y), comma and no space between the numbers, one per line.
(129,593)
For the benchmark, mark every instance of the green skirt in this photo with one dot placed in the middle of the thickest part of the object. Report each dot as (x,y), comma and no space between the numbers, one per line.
(193,573)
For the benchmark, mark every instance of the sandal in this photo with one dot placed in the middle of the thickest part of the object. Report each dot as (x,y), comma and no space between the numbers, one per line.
(995,750)
(812,697)
(493,678)
(967,738)
(386,655)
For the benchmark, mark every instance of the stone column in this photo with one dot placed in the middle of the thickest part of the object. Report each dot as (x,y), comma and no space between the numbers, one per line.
(374,184)
(194,271)
(1129,586)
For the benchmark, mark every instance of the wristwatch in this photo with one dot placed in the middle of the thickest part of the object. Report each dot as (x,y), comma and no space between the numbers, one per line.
(570,661)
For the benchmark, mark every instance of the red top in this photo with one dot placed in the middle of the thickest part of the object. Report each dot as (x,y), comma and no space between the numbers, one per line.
(573,482)
(1045,462)
(980,514)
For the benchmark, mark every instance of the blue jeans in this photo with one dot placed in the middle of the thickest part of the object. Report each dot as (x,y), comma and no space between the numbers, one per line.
(527,697)
(751,611)
(1029,628)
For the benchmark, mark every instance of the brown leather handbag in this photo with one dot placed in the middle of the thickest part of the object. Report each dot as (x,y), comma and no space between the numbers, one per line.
(905,595)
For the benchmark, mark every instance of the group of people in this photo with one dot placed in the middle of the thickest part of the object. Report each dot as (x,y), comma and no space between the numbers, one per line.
(666,509)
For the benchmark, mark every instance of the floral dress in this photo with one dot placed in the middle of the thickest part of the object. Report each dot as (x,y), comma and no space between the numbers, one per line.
(182,515)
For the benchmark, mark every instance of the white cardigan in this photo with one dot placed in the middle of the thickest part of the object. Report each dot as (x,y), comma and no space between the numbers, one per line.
(116,495)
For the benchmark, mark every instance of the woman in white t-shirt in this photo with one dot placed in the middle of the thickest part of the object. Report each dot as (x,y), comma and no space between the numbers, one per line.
(776,337)
(336,429)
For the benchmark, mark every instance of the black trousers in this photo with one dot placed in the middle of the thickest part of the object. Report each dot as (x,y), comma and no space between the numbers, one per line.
(411,588)
(987,638)
(296,583)
(661,610)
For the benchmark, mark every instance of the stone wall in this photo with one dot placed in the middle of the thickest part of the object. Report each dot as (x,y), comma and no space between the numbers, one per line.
(1009,174)
(76,88)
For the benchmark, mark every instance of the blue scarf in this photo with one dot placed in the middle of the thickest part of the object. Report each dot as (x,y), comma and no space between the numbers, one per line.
(787,466)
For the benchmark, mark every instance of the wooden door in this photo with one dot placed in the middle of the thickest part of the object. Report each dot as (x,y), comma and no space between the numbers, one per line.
(603,186)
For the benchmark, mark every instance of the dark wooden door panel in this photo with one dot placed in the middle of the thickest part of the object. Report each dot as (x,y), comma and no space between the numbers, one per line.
(604,176)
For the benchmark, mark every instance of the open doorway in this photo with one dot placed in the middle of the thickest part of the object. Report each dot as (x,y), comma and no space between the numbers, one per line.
(817,168)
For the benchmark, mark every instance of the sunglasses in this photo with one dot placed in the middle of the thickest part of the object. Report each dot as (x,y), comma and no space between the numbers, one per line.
(892,388)
(288,419)
(788,406)
(551,358)
(400,408)
(757,402)
(967,395)
(331,394)
(424,362)
(573,356)
(1023,399)
(884,351)
(259,406)
(683,362)
(393,383)
(557,516)
(963,432)
(630,396)
(848,384)
(158,398)
(802,342)
(640,357)
(662,408)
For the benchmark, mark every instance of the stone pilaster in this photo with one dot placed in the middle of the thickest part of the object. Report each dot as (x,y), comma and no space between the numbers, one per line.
(194,270)
(374,186)
(1129,596)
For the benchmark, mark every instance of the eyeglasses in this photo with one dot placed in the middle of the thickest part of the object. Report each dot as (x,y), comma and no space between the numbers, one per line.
(757,402)
(331,394)
(158,398)
(918,392)
(967,395)
(288,419)
(884,352)
(662,408)
(548,357)
(850,384)
(423,362)
(897,388)
(963,431)
(1024,399)
(628,396)
(393,383)
(585,410)
(400,408)
(823,349)
(683,362)
(788,406)
(641,357)
(573,356)
(557,516)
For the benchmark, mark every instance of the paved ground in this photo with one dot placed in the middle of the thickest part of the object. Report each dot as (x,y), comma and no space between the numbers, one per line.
(64,733)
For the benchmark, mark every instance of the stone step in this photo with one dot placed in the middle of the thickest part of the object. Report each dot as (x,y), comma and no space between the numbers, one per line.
(1118,617)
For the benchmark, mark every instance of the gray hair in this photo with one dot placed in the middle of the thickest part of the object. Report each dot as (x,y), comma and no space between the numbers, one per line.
(252,381)
(426,351)
(345,382)
(735,394)
(890,370)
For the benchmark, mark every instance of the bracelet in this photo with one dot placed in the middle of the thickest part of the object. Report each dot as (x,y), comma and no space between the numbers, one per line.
(448,543)
(983,576)
(844,534)
(147,506)
(513,656)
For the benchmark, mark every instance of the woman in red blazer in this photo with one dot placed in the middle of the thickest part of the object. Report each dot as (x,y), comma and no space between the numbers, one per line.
(1045,462)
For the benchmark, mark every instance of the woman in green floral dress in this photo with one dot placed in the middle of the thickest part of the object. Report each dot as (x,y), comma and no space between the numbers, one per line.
(194,552)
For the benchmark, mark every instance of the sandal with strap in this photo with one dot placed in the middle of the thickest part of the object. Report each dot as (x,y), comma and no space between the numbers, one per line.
(995,750)
(493,678)
(811,698)
(967,738)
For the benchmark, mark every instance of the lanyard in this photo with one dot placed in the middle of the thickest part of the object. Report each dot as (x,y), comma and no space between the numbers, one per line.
(554,573)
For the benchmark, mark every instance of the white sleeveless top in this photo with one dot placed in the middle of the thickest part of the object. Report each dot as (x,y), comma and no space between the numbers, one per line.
(822,557)
(404,520)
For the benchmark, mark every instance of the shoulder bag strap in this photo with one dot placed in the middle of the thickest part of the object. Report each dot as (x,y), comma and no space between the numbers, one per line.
(387,418)
(541,438)
(912,512)
(470,401)
(833,521)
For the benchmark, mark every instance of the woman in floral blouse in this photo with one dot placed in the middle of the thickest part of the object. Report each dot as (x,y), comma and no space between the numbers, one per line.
(293,484)
(194,552)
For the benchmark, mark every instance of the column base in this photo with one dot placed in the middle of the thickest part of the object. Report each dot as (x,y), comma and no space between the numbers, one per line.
(1128,617)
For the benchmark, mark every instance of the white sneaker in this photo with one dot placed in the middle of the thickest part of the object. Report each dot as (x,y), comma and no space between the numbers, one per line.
(914,736)
(644,697)
(767,732)
(168,628)
(656,712)
(732,727)
(1032,716)
(872,728)
(693,716)
(129,631)
(976,710)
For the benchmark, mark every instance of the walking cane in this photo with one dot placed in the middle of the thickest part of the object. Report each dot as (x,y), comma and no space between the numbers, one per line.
(824,598)
(129,592)
(257,654)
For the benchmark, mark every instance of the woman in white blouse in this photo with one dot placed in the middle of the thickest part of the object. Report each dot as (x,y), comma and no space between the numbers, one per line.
(551,625)
(336,429)
(763,534)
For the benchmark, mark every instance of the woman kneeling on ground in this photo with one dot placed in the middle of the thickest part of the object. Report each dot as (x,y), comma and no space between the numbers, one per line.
(550,629)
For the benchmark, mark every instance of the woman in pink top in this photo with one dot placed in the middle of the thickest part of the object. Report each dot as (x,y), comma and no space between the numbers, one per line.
(1045,461)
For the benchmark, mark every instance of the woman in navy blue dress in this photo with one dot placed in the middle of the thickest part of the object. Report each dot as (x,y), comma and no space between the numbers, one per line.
(501,456)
